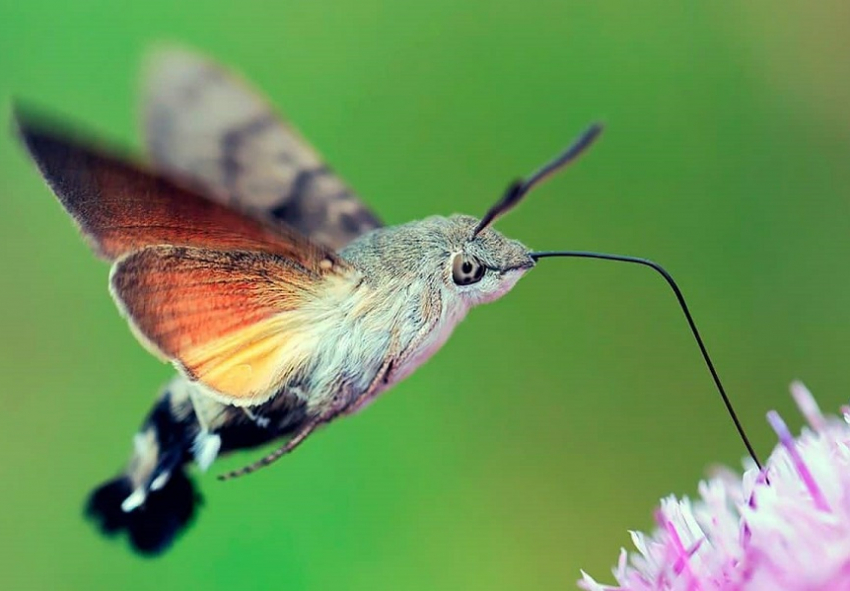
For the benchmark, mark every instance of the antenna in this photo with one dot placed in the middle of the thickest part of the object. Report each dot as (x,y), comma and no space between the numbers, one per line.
(520,188)
(669,279)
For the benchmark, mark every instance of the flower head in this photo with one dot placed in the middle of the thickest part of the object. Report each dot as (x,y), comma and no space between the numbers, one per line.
(786,527)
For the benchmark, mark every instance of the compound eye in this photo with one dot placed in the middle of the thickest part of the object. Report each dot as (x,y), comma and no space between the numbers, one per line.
(466,270)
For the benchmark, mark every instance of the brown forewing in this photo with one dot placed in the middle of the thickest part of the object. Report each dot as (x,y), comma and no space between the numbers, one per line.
(122,208)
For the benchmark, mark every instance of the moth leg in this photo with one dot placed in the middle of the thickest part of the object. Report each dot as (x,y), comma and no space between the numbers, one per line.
(342,404)
(294,442)
(339,405)
(395,358)
(262,422)
(206,445)
(430,314)
(380,379)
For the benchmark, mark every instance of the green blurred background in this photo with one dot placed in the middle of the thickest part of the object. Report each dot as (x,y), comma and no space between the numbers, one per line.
(554,419)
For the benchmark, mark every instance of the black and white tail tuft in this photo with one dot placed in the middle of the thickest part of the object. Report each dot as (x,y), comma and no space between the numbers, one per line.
(153,499)
(153,525)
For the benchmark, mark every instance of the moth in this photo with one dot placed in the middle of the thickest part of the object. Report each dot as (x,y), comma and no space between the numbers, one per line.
(239,257)
(281,300)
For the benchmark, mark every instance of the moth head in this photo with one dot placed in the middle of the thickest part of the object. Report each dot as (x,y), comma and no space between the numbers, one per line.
(469,258)
(485,264)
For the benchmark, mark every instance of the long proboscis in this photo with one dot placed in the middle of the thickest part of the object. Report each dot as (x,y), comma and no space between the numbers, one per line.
(520,189)
(684,306)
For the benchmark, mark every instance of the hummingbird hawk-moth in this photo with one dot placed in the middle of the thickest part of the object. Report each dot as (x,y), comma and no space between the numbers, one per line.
(239,257)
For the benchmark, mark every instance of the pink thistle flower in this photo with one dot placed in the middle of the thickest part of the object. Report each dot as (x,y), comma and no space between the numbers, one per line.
(786,528)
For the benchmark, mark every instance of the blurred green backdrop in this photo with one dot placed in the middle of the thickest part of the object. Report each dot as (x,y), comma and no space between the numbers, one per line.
(554,419)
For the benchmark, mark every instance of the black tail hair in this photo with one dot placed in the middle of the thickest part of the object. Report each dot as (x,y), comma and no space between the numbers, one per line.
(152,527)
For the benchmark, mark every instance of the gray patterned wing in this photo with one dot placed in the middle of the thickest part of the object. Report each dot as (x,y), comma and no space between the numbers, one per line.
(207,128)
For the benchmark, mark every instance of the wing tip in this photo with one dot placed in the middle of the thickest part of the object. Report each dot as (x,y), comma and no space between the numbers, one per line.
(51,147)
(50,143)
(29,126)
(57,152)
(61,158)
(66,156)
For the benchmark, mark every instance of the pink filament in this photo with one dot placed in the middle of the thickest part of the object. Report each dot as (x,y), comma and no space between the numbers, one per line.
(681,564)
(807,405)
(787,441)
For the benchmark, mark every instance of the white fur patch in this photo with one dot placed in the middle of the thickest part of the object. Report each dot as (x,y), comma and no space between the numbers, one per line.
(142,444)
(205,449)
(134,501)
(160,481)
(261,422)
